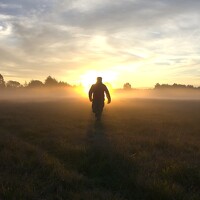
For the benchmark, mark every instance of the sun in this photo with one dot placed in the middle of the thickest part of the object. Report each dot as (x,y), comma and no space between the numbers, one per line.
(89,78)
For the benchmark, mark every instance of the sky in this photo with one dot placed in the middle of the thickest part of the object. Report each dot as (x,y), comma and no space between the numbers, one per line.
(142,42)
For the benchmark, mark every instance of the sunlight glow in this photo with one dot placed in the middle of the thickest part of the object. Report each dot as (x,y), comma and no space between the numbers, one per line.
(89,78)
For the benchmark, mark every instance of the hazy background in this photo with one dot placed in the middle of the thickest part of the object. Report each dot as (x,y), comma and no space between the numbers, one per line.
(119,96)
(137,41)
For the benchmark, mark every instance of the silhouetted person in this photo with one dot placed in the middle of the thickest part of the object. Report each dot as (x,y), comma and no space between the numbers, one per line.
(97,96)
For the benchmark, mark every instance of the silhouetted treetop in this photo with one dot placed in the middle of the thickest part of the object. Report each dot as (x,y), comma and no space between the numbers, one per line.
(63,84)
(50,81)
(13,84)
(35,83)
(127,86)
(174,86)
(2,82)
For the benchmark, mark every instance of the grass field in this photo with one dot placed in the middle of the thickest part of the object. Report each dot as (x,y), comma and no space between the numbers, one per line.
(142,150)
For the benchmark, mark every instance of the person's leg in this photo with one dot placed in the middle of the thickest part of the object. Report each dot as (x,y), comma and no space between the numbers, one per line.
(94,107)
(99,110)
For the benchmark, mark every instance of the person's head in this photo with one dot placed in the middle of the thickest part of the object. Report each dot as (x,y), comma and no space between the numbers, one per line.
(99,79)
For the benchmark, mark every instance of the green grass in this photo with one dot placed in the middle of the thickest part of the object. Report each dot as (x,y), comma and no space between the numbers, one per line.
(142,149)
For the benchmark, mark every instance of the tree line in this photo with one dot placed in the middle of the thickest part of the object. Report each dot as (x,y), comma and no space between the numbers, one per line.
(52,82)
(49,82)
(127,86)
(174,86)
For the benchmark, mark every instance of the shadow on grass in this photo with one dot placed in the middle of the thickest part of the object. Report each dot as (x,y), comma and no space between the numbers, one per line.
(112,170)
(108,169)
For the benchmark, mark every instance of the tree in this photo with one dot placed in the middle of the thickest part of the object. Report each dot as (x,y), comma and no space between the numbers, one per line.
(157,86)
(174,86)
(35,83)
(50,81)
(127,86)
(190,86)
(13,84)
(63,84)
(2,82)
(162,86)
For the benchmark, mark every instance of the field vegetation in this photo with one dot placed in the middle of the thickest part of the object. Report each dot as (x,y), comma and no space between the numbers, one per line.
(143,149)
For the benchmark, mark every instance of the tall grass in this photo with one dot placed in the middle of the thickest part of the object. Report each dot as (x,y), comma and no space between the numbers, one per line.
(142,149)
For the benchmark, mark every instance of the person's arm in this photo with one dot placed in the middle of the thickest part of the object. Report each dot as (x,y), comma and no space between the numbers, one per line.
(107,94)
(91,93)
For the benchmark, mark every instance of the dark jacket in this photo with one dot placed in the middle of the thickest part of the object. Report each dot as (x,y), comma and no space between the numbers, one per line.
(97,92)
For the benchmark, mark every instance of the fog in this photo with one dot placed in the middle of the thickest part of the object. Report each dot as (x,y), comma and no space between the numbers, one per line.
(174,94)
(49,94)
(38,94)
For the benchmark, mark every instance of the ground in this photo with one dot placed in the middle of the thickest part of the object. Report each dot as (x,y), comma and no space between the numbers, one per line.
(142,149)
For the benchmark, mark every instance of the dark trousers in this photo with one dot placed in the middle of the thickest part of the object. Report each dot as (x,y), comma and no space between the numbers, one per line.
(97,107)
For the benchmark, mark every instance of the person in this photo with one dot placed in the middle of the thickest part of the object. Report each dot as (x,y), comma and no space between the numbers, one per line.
(97,97)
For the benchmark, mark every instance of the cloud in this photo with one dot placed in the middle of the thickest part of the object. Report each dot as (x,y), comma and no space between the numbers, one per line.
(58,36)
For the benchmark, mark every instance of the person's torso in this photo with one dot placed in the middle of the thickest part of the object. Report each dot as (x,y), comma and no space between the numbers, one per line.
(98,91)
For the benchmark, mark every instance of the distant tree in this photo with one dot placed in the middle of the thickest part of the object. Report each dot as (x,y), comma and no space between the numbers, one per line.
(174,86)
(127,86)
(63,84)
(190,86)
(157,86)
(165,86)
(13,84)
(2,82)
(162,86)
(50,82)
(35,84)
